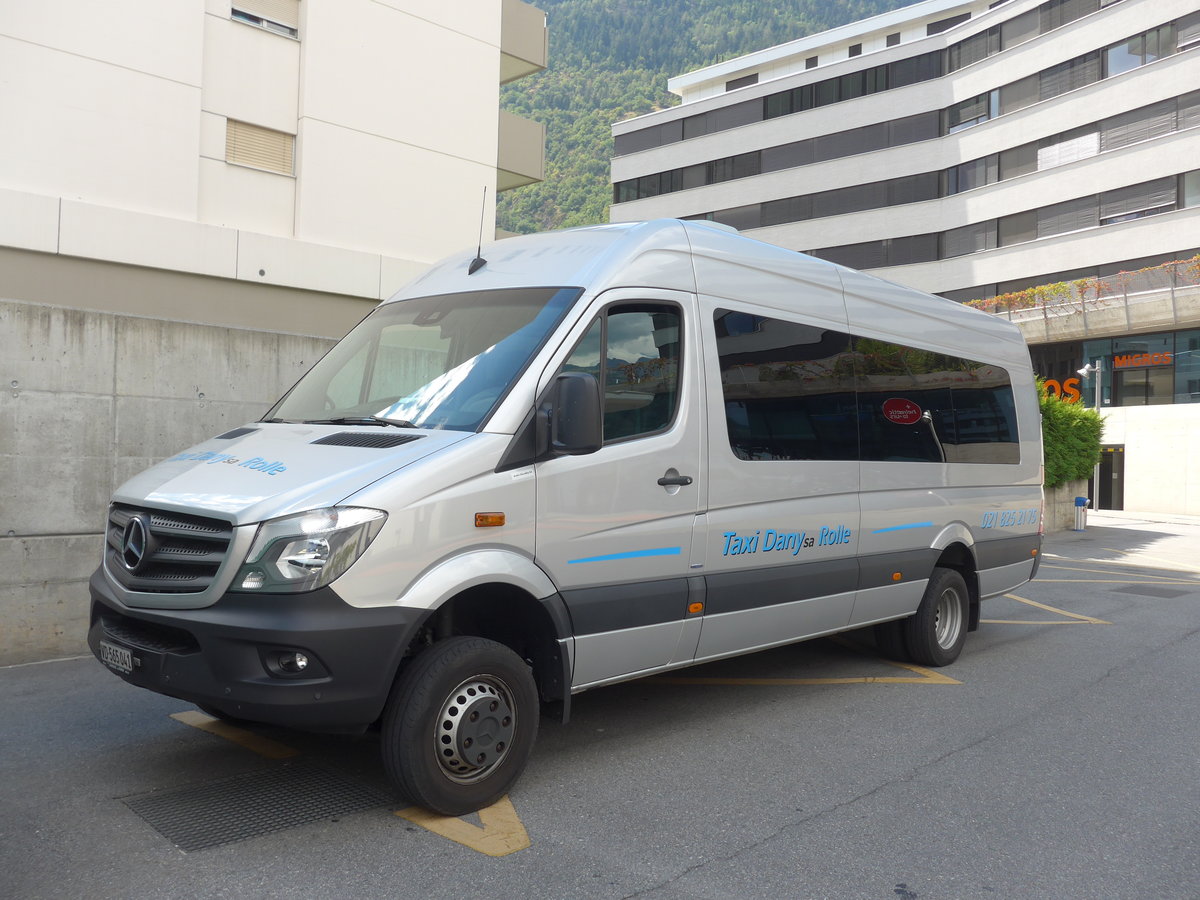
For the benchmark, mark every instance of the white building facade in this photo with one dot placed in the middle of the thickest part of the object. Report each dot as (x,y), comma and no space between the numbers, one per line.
(970,149)
(196,198)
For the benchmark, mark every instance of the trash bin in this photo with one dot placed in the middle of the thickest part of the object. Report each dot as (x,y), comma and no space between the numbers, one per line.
(1081,505)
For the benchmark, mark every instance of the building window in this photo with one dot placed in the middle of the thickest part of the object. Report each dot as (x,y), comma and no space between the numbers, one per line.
(810,63)
(258,147)
(1187,367)
(1073,215)
(1147,369)
(893,39)
(1069,76)
(968,239)
(1143,370)
(1138,125)
(946,24)
(972,112)
(1191,188)
(1188,32)
(1138,200)
(1066,148)
(279,16)
(973,49)
(855,50)
(1137,51)
(744,81)
(1020,29)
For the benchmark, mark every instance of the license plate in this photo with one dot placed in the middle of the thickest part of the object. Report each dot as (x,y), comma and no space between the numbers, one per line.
(119,659)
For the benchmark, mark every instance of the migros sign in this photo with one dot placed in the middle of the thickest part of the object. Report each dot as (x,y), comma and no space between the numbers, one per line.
(1138,360)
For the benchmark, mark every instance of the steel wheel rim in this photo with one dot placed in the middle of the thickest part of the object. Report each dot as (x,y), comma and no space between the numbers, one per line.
(473,733)
(947,619)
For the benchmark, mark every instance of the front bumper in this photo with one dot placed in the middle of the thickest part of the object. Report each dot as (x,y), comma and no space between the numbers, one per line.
(222,656)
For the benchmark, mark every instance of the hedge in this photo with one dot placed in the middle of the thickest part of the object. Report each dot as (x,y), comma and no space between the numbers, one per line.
(1070,438)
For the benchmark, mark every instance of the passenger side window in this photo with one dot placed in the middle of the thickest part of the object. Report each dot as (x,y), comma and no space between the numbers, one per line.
(633,350)
(788,388)
(918,405)
(796,392)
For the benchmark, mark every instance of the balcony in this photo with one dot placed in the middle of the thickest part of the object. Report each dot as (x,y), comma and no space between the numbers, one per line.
(523,42)
(1157,298)
(521,154)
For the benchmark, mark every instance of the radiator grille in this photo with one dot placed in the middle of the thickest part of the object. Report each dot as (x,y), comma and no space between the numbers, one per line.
(183,552)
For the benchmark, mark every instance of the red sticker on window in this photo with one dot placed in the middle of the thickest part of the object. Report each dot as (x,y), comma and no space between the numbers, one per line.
(901,411)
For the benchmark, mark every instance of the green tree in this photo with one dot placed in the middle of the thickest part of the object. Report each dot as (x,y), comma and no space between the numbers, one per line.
(1070,438)
(610,60)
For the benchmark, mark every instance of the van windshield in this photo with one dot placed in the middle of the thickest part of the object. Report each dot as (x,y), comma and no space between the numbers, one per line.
(429,362)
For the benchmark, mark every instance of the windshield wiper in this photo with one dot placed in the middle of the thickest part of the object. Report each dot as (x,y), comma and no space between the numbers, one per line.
(361,420)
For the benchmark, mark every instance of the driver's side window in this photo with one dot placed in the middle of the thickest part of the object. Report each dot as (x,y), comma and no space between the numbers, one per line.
(633,350)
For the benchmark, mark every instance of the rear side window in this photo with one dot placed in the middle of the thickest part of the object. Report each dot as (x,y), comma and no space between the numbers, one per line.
(793,391)
(918,405)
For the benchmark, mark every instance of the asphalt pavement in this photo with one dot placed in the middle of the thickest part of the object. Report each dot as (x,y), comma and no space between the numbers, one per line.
(1056,758)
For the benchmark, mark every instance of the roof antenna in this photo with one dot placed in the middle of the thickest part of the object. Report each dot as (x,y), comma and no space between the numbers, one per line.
(479,262)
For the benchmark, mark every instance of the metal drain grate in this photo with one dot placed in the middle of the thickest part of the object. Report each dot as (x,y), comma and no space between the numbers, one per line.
(207,815)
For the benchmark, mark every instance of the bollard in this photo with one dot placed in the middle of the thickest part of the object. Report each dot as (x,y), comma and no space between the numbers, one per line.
(1081,505)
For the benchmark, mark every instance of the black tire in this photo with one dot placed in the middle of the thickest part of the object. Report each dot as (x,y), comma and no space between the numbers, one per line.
(936,634)
(889,639)
(460,725)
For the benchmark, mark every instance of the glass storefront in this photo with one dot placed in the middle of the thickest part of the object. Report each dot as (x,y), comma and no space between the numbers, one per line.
(1143,370)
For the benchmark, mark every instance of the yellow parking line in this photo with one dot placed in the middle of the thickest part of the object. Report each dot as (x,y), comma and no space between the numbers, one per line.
(502,832)
(248,739)
(1054,609)
(1110,581)
(1095,571)
(1032,622)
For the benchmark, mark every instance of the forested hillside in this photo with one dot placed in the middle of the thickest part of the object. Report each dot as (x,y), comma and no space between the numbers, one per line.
(610,59)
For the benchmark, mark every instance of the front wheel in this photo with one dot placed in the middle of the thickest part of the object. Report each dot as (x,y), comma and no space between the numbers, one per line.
(936,634)
(460,725)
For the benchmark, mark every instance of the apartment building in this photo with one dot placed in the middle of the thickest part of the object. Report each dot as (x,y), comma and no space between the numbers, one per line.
(970,149)
(196,198)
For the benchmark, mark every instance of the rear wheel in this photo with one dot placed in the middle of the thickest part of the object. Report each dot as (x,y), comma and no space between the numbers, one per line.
(460,725)
(936,634)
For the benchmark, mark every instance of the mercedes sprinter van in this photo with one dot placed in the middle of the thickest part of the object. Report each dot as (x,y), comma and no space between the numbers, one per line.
(575,459)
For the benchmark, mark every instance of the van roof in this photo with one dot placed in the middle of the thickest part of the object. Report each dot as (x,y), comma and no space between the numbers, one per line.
(698,257)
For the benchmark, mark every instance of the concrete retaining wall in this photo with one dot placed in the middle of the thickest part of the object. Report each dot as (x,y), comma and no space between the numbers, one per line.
(88,399)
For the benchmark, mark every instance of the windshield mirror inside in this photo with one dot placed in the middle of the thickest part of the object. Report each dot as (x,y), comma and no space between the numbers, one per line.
(429,362)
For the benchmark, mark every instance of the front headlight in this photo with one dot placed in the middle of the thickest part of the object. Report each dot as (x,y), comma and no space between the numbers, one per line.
(309,550)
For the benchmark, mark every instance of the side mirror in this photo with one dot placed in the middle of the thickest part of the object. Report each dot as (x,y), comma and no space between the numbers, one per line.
(576,425)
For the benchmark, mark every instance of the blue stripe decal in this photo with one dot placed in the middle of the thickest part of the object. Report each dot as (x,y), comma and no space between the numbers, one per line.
(632,554)
(903,527)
